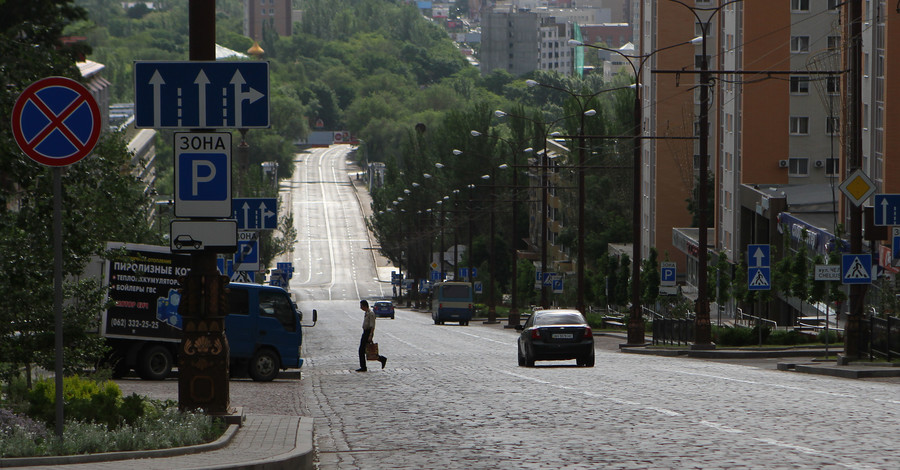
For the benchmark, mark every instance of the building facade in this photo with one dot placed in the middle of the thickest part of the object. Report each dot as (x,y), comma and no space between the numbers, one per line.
(271,14)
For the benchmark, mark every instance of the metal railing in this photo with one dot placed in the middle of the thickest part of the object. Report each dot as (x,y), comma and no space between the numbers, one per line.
(881,337)
(672,331)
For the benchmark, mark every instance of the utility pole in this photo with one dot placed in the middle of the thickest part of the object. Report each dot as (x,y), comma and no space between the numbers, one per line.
(853,58)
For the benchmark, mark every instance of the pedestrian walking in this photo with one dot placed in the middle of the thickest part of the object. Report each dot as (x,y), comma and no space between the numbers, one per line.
(367,336)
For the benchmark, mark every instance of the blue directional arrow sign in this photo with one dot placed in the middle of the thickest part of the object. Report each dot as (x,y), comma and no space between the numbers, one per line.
(887,209)
(201,95)
(255,213)
(759,275)
(856,269)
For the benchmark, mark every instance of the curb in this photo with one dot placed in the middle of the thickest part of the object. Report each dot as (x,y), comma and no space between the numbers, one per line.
(299,458)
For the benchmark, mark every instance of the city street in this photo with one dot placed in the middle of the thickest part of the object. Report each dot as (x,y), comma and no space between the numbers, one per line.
(454,397)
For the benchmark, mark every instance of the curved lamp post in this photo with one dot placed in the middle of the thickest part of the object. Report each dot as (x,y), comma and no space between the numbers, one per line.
(545,303)
(635,321)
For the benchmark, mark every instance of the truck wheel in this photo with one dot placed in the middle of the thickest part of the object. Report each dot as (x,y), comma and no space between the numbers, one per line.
(264,365)
(155,363)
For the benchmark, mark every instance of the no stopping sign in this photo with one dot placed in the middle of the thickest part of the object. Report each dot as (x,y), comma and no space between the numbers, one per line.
(56,121)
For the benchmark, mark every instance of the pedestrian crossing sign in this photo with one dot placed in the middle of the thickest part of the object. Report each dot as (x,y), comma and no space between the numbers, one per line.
(856,269)
(759,278)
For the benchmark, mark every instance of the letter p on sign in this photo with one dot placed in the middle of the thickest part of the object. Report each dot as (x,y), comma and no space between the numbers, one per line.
(198,176)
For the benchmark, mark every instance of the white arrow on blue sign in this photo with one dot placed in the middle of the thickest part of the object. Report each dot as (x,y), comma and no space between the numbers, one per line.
(201,95)
(255,213)
(887,209)
(758,256)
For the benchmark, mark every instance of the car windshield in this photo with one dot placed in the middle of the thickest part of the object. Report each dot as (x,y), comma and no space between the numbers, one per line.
(558,319)
(382,304)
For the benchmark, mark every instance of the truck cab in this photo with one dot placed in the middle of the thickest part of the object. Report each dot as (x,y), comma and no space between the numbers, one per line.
(263,329)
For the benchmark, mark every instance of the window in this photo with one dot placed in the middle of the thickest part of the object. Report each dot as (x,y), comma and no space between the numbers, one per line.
(833,4)
(834,43)
(832,125)
(238,302)
(798,166)
(833,85)
(832,166)
(799,5)
(800,85)
(799,44)
(278,305)
(799,125)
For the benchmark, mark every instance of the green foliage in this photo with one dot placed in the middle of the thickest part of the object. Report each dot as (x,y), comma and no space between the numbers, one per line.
(85,400)
(159,426)
(650,279)
(738,336)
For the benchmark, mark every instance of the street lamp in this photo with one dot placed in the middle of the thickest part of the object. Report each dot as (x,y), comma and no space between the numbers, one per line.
(546,127)
(578,97)
(635,321)
(513,319)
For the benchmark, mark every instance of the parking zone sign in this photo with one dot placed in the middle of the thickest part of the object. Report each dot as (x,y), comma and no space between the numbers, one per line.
(203,174)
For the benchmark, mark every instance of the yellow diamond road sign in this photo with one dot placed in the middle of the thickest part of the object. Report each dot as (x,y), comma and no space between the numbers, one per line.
(857,187)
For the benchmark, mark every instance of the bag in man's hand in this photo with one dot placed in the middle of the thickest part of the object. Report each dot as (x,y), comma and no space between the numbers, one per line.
(372,351)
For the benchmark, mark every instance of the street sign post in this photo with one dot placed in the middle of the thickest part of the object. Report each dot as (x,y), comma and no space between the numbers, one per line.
(255,213)
(887,209)
(856,269)
(218,236)
(56,121)
(246,257)
(857,187)
(667,271)
(203,174)
(759,276)
(828,272)
(201,95)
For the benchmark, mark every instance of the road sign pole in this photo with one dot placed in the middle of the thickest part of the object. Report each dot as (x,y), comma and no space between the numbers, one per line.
(203,371)
(57,294)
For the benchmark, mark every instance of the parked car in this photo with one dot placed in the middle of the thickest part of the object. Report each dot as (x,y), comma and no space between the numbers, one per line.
(383,308)
(555,335)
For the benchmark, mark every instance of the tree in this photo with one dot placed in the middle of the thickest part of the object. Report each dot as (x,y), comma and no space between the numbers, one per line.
(650,279)
(800,272)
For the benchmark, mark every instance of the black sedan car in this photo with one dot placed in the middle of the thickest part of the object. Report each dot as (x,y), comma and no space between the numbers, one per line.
(555,335)
(383,308)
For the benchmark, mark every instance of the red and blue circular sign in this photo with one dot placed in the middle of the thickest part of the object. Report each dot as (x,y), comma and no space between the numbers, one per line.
(56,121)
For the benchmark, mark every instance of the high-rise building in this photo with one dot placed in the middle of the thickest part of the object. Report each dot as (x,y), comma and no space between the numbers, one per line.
(270,14)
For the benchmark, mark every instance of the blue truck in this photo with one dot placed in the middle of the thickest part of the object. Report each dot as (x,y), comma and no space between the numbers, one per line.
(143,328)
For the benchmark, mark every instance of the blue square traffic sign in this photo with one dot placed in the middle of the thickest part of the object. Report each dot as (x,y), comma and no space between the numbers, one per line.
(856,269)
(758,256)
(887,209)
(203,174)
(255,213)
(200,177)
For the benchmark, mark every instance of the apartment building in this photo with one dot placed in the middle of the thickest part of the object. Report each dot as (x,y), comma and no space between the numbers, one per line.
(773,115)
(522,41)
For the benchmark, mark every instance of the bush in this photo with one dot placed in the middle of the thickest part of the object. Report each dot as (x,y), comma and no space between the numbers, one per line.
(789,337)
(85,400)
(738,336)
(833,337)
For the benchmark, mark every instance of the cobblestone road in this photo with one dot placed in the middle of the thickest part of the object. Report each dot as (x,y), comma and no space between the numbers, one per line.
(453,397)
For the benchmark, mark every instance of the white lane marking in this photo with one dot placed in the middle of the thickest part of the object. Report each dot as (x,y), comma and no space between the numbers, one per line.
(767,384)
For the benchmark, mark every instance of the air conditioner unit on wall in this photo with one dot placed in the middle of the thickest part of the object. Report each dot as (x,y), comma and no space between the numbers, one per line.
(820,163)
(782,163)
